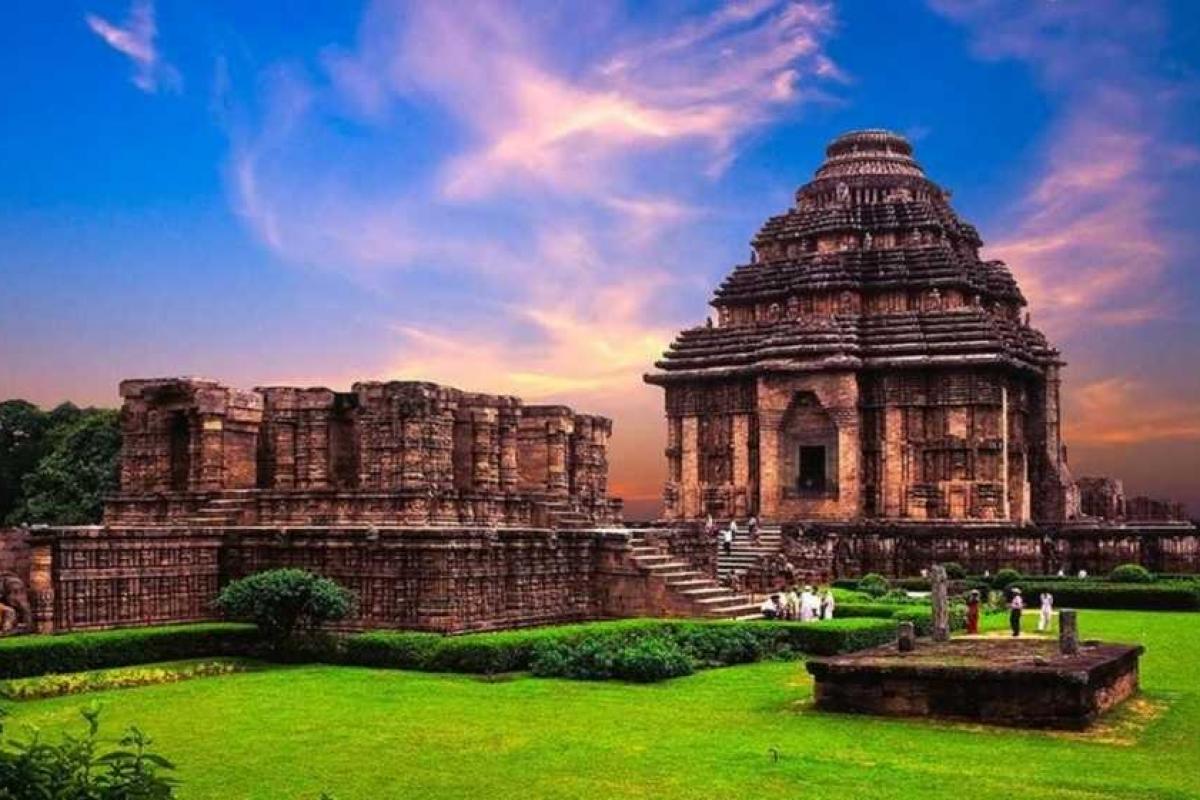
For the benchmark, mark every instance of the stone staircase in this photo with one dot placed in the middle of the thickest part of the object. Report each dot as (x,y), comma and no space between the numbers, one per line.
(745,553)
(220,511)
(691,592)
(562,514)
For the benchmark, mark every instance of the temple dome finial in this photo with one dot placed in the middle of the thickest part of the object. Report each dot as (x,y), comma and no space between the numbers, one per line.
(871,151)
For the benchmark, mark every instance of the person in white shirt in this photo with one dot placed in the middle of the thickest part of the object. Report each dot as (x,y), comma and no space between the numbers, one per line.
(727,539)
(1015,607)
(808,605)
(1046,611)
(827,604)
(770,607)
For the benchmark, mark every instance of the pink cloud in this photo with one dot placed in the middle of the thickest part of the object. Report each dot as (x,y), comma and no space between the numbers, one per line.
(1119,411)
(708,80)
(136,40)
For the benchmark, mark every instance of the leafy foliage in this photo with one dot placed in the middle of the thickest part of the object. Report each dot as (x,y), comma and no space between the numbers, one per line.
(954,571)
(285,602)
(79,768)
(1004,578)
(1131,573)
(68,485)
(22,443)
(873,584)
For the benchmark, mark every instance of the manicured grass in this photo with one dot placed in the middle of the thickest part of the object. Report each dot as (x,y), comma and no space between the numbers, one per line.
(364,733)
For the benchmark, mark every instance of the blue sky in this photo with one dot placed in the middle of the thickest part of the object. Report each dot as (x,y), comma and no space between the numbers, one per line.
(533,197)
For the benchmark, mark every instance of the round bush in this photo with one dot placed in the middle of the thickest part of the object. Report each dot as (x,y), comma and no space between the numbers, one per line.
(1005,578)
(873,584)
(284,602)
(651,660)
(954,571)
(1131,573)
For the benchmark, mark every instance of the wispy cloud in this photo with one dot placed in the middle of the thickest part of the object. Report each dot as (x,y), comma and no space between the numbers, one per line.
(135,38)
(1085,241)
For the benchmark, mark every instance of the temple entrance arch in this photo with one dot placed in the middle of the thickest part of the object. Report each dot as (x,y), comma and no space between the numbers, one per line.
(809,450)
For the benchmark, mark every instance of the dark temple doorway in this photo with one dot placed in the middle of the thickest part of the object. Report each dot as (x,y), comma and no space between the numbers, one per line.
(811,475)
(181,455)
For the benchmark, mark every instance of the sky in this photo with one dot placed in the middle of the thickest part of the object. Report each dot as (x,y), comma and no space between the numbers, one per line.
(532,198)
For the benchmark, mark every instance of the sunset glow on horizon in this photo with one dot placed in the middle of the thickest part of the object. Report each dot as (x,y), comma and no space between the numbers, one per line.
(532,198)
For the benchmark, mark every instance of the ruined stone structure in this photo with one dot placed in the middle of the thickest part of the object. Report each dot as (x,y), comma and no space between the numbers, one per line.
(198,453)
(866,364)
(439,509)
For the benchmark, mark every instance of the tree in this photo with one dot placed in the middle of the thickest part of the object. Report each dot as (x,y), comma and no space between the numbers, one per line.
(79,467)
(22,433)
(283,602)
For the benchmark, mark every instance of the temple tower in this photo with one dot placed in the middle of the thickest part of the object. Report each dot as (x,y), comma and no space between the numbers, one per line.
(866,363)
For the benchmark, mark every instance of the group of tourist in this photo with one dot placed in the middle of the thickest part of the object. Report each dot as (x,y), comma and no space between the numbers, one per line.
(1016,607)
(806,605)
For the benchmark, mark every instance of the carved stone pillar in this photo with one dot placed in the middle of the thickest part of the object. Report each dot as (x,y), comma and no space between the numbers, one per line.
(769,488)
(209,475)
(509,471)
(412,474)
(892,473)
(41,586)
(741,464)
(484,450)
(689,457)
(557,441)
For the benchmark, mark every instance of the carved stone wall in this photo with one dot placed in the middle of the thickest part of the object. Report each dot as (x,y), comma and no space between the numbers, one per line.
(420,578)
(198,453)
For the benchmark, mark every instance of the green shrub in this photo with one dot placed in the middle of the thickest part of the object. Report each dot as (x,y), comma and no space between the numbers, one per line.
(283,602)
(78,768)
(24,656)
(873,584)
(1005,578)
(954,571)
(1131,573)
(917,584)
(601,650)
(1157,596)
(849,596)
(651,660)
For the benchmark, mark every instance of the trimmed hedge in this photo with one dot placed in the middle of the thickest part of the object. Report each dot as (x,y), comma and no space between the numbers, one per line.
(921,616)
(627,649)
(26,656)
(1159,596)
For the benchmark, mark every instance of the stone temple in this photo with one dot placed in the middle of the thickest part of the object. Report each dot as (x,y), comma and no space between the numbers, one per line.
(866,364)
(872,390)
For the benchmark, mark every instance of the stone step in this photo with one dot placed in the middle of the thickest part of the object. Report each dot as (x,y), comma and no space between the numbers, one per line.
(705,592)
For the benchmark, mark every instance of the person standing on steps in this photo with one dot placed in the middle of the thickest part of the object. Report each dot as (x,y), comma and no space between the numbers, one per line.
(709,526)
(1015,606)
(727,538)
(1045,611)
(752,526)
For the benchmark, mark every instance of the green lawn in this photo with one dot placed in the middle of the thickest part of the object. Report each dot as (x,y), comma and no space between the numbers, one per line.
(362,733)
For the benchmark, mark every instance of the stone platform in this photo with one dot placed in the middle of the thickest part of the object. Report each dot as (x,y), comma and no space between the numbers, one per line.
(1025,683)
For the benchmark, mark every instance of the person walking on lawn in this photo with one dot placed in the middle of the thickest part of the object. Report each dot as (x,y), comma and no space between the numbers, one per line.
(973,611)
(1045,612)
(1015,606)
